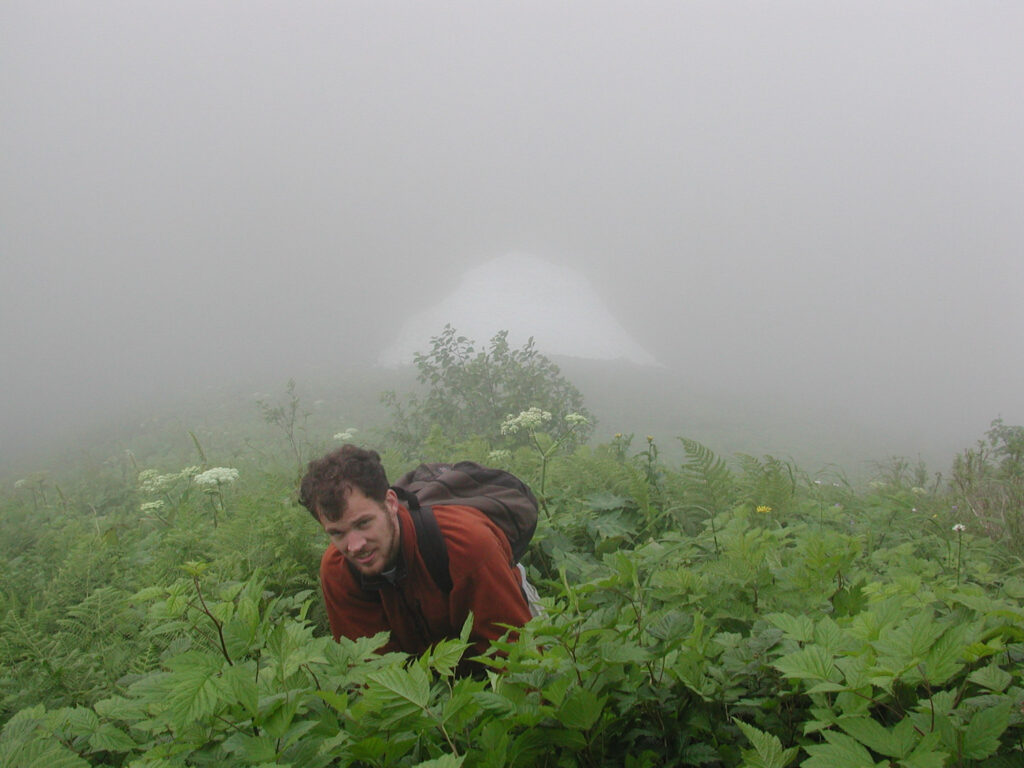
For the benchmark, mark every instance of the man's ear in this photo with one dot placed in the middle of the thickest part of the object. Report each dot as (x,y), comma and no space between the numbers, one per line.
(391,501)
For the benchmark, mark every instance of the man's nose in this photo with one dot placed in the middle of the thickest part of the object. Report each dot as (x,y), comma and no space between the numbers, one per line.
(355,542)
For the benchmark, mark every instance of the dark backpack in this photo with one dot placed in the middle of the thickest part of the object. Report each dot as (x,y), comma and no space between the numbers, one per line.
(502,496)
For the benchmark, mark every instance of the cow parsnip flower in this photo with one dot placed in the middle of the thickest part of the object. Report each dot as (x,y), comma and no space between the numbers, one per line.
(217,476)
(530,419)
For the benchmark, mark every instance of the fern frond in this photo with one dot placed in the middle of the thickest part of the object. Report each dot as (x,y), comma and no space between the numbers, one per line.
(707,480)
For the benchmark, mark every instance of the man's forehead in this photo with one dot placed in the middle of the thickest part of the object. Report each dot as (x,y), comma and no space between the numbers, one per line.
(356,505)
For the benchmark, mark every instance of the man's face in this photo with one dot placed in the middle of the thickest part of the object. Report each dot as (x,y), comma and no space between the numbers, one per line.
(367,533)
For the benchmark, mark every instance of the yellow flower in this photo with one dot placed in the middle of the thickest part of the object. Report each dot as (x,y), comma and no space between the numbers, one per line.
(764,509)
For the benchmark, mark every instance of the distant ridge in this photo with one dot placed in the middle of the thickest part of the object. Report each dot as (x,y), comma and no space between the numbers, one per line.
(525,296)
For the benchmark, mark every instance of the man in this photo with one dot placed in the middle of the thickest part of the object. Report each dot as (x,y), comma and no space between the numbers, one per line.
(373,576)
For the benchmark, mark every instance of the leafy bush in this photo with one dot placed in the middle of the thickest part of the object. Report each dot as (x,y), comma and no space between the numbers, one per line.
(989,482)
(471,392)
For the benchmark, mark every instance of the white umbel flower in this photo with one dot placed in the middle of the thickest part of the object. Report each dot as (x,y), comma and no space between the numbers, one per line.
(217,476)
(529,419)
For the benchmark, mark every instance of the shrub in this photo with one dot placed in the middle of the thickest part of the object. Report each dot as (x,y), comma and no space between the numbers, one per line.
(471,392)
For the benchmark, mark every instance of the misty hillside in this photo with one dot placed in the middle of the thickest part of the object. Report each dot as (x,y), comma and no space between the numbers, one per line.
(624,398)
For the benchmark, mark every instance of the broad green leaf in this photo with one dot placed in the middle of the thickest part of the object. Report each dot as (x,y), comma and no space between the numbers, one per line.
(1014,587)
(849,600)
(1002,761)
(446,655)
(943,659)
(624,653)
(297,649)
(338,701)
(495,704)
(610,526)
(981,738)
(605,502)
(76,721)
(855,671)
(555,690)
(925,755)
(253,749)
(276,720)
(977,651)
(297,731)
(671,626)
(581,709)
(461,705)
(494,740)
(767,752)
(910,640)
(828,688)
(841,751)
(336,746)
(412,684)
(39,754)
(444,761)
(120,708)
(699,754)
(240,688)
(195,688)
(828,636)
(23,744)
(240,631)
(370,749)
(992,677)
(394,698)
(811,663)
(110,738)
(151,690)
(896,742)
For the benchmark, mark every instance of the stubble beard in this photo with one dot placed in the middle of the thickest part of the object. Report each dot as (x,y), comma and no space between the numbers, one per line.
(386,554)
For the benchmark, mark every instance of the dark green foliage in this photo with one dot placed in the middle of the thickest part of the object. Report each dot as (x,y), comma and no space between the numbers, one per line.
(684,627)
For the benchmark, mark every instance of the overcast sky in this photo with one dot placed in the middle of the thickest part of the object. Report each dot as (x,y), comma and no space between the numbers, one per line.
(817,199)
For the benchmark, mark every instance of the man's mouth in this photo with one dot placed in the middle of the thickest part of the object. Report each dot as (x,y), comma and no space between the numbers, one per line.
(363,558)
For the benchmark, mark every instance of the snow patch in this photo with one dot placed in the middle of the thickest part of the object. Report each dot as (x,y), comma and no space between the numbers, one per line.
(526,296)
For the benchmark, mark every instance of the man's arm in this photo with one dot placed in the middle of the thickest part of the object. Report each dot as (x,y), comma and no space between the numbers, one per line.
(483,579)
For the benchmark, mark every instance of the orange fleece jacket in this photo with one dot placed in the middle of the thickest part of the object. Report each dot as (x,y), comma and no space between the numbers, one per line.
(415,611)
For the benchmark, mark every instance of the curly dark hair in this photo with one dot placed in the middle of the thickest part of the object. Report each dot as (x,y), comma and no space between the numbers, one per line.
(328,481)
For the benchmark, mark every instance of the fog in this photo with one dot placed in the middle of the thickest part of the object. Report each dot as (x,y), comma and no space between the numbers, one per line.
(814,205)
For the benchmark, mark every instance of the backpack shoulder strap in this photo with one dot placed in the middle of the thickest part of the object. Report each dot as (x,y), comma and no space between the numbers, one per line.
(429,540)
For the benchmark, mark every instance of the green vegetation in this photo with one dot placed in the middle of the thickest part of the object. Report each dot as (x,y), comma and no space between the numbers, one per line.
(722,611)
(473,392)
